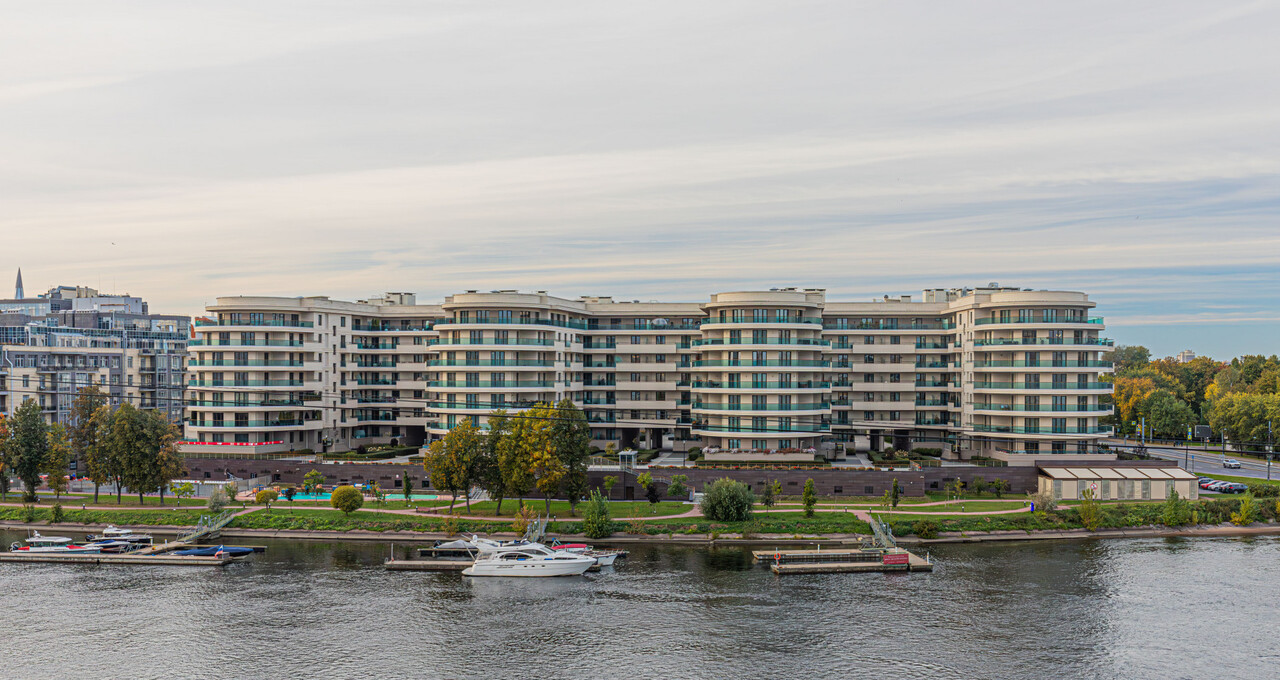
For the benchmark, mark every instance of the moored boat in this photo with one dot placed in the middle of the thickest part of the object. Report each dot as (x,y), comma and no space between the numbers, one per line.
(46,544)
(524,560)
(213,550)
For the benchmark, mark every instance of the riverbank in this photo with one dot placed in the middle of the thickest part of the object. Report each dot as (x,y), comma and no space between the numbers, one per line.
(1221,530)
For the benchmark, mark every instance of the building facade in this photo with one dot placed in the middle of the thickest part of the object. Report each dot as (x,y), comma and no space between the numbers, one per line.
(56,343)
(994,372)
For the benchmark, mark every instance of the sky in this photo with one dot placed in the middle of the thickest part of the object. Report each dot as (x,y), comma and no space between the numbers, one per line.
(655,150)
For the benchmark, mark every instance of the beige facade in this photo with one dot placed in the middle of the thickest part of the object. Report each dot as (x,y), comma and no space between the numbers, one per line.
(1117,483)
(997,372)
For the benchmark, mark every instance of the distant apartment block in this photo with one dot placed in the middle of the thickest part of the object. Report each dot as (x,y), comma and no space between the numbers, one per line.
(1186,356)
(53,344)
(999,372)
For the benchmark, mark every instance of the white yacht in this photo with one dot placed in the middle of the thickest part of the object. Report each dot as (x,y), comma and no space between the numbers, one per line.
(524,559)
(44,544)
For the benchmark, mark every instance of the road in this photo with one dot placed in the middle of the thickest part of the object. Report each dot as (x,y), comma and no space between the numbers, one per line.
(1211,463)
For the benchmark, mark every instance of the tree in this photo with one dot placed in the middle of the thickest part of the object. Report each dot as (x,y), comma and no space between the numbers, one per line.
(57,459)
(644,479)
(128,446)
(809,497)
(609,481)
(978,484)
(770,495)
(652,494)
(1126,357)
(956,488)
(346,498)
(266,497)
(289,493)
(451,462)
(570,435)
(999,487)
(28,446)
(596,521)
(86,427)
(312,482)
(408,487)
(5,466)
(726,500)
(100,461)
(535,440)
(1168,415)
(1090,511)
(489,467)
(165,458)
(895,493)
(184,490)
(379,496)
(677,488)
(514,465)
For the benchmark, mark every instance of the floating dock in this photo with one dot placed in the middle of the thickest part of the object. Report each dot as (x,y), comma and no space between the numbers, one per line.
(842,561)
(427,565)
(123,558)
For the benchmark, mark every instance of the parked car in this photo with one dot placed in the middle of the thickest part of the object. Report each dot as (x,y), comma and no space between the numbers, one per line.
(1236,487)
(1231,463)
(1206,483)
(1216,487)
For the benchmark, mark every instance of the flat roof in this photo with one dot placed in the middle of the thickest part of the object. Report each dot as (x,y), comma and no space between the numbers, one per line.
(1089,472)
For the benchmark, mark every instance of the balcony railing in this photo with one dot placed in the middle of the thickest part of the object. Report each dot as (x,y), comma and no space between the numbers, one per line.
(535,321)
(268,323)
(247,404)
(542,363)
(1000,342)
(391,328)
(803,342)
(739,320)
(490,383)
(761,385)
(246,362)
(375,381)
(1038,318)
(250,423)
(798,363)
(1008,429)
(1067,408)
(245,343)
(1041,386)
(814,428)
(492,341)
(244,383)
(1043,364)
(888,326)
(713,406)
(643,326)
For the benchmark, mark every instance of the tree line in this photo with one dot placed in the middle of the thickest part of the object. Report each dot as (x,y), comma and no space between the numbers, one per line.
(124,445)
(544,449)
(1240,398)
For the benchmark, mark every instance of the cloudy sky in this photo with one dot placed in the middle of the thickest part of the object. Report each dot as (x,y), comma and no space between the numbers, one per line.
(653,150)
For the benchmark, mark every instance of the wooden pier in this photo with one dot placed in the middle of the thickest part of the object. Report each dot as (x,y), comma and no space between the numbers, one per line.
(107,558)
(842,561)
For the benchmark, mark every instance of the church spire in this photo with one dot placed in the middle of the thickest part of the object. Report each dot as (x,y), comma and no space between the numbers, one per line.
(17,290)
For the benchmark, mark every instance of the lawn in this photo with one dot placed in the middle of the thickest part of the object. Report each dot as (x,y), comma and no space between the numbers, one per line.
(122,516)
(126,501)
(561,508)
(1245,480)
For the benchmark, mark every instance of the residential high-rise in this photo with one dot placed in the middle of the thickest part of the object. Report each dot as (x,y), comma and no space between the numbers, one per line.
(996,372)
(54,344)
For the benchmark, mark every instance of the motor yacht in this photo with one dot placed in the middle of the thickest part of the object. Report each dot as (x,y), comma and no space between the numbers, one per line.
(604,558)
(524,559)
(45,544)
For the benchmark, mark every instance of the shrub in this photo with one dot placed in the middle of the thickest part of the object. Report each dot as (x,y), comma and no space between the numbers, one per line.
(1175,511)
(362,449)
(1044,502)
(694,450)
(596,521)
(1090,511)
(524,517)
(926,451)
(28,513)
(677,488)
(1265,490)
(57,515)
(266,497)
(217,501)
(809,497)
(999,487)
(725,500)
(346,498)
(926,528)
(1247,512)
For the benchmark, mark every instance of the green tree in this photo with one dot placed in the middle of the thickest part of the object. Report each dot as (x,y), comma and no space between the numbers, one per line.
(726,500)
(103,465)
(1127,357)
(645,480)
(809,498)
(956,488)
(312,482)
(677,488)
(609,481)
(346,498)
(1168,415)
(28,446)
(407,487)
(266,497)
(84,434)
(57,459)
(570,436)
(489,467)
(769,495)
(1090,511)
(978,484)
(184,490)
(895,493)
(596,520)
(165,458)
(514,463)
(128,447)
(452,462)
(5,464)
(999,487)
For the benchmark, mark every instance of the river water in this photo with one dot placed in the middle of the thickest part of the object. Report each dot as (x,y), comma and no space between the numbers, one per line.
(1140,608)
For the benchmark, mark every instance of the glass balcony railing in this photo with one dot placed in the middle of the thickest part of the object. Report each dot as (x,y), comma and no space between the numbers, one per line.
(1009,429)
(720,406)
(1037,318)
(244,383)
(643,326)
(999,342)
(491,321)
(1043,364)
(245,343)
(246,362)
(1062,408)
(543,363)
(247,404)
(268,323)
(250,423)
(888,326)
(491,384)
(530,342)
(801,342)
(798,363)
(748,321)
(814,428)
(1041,386)
(761,385)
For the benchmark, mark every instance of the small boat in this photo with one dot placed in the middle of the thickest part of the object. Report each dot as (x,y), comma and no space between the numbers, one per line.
(114,533)
(213,550)
(47,544)
(604,558)
(525,560)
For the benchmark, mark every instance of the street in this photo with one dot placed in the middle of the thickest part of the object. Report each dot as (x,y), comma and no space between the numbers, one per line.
(1201,462)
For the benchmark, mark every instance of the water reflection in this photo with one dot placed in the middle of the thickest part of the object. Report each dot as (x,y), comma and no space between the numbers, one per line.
(1153,608)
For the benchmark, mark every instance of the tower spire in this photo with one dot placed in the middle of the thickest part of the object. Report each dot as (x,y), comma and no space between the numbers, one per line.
(17,289)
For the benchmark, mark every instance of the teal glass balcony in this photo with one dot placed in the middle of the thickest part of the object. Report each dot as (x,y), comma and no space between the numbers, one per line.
(265,323)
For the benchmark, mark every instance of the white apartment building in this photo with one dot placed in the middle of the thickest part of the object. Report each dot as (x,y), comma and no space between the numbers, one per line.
(998,372)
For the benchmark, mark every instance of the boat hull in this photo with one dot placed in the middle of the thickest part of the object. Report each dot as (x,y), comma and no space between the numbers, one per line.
(530,568)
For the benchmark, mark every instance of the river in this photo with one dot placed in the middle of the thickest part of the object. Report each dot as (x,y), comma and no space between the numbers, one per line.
(1133,608)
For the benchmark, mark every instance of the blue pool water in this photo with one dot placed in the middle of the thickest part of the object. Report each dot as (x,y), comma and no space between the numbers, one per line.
(324,496)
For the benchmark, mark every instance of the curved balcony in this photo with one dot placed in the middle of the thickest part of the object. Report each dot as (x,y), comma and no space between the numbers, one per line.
(1042,364)
(536,321)
(1070,409)
(1036,342)
(245,383)
(798,385)
(798,409)
(1050,431)
(768,342)
(490,342)
(285,363)
(247,343)
(750,363)
(1051,386)
(804,322)
(516,363)
(1039,320)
